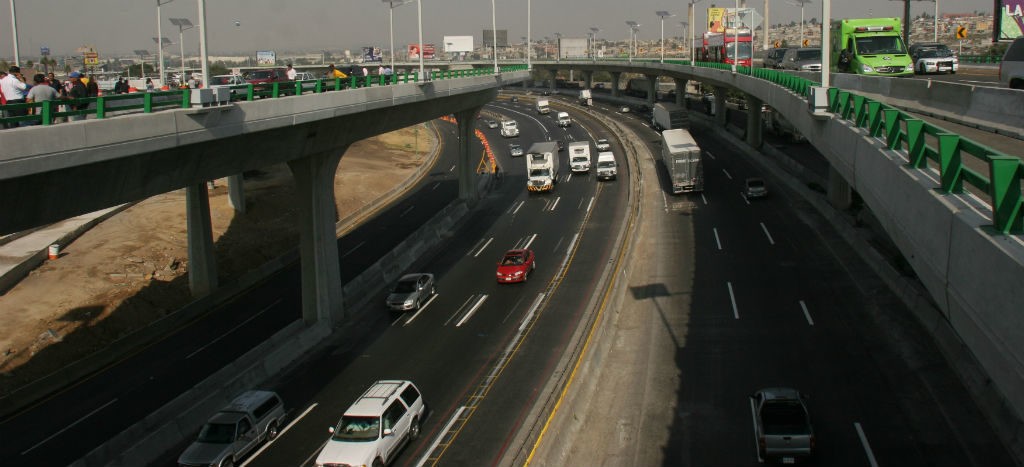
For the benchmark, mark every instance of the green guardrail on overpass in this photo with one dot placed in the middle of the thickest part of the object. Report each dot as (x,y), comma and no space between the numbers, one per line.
(47,112)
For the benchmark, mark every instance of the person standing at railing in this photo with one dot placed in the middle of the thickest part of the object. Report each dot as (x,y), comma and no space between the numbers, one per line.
(14,90)
(40,92)
(78,91)
(291,73)
(149,85)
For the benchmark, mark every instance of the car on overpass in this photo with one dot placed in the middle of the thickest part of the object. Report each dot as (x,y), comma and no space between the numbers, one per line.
(802,59)
(773,58)
(411,292)
(516,266)
(933,58)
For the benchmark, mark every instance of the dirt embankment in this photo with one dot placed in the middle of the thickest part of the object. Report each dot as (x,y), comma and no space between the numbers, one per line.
(131,269)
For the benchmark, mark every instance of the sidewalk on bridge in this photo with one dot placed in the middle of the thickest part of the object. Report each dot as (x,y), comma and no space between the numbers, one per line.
(20,254)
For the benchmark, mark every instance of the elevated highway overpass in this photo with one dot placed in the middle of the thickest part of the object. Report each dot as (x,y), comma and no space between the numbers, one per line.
(959,228)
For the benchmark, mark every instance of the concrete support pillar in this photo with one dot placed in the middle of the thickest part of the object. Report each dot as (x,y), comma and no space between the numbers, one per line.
(236,193)
(202,263)
(652,89)
(680,92)
(318,242)
(754,122)
(615,83)
(588,79)
(840,195)
(469,155)
(720,111)
(554,76)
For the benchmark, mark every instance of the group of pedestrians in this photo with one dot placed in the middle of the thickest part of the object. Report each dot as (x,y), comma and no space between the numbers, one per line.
(15,88)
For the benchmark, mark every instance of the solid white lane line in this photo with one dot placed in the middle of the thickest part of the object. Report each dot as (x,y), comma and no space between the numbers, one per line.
(727,174)
(349,252)
(664,201)
(533,309)
(717,241)
(481,250)
(268,443)
(735,311)
(459,310)
(709,154)
(435,186)
(590,204)
(770,240)
(226,334)
(76,422)
(704,199)
(555,205)
(753,417)
(867,447)
(452,169)
(530,241)
(568,251)
(480,301)
(568,177)
(745,200)
(422,307)
(441,435)
(406,211)
(521,203)
(807,314)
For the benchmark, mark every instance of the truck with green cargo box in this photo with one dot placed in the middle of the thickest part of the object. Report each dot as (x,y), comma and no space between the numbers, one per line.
(873,46)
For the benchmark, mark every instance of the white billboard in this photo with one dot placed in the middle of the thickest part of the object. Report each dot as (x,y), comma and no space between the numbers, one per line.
(572,48)
(454,44)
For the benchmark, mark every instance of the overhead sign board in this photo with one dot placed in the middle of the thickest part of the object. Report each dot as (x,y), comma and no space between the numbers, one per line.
(716,20)
(1010,19)
(456,44)
(414,51)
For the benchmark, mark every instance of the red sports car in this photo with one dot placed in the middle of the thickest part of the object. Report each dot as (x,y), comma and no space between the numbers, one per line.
(516,266)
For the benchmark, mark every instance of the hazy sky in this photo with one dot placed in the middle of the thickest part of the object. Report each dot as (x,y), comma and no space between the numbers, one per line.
(121,26)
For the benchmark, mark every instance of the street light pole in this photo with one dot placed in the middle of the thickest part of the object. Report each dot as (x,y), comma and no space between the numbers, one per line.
(204,67)
(494,36)
(529,47)
(182,24)
(801,3)
(558,47)
(662,15)
(632,29)
(735,36)
(419,25)
(826,38)
(14,33)
(160,39)
(391,25)
(693,45)
(593,43)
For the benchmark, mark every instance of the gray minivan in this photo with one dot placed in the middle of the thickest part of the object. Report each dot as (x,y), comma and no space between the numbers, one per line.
(1011,68)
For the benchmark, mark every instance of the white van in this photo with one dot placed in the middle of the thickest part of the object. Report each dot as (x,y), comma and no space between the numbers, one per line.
(579,156)
(607,168)
(563,119)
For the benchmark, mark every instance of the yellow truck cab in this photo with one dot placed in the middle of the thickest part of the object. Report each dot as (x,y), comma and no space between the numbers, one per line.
(870,46)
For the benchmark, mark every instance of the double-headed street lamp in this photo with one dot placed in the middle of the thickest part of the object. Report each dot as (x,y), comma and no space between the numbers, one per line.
(662,15)
(182,24)
(632,31)
(593,42)
(800,3)
(494,37)
(685,26)
(160,39)
(391,22)
(693,45)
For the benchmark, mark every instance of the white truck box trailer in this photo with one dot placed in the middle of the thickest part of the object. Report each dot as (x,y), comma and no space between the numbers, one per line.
(682,157)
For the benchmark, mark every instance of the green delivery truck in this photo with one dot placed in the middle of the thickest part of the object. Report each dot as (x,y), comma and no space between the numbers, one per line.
(870,46)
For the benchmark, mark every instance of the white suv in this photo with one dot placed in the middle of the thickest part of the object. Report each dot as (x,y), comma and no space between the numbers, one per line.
(376,427)
(1011,68)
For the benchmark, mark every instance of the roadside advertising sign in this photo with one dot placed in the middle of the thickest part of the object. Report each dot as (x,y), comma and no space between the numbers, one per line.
(1010,19)
(716,19)
(266,58)
(414,51)
(372,54)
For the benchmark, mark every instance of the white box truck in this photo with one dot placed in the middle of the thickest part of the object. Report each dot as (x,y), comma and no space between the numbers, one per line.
(542,166)
(543,106)
(509,128)
(668,116)
(682,157)
(579,156)
(563,119)
(586,98)
(607,168)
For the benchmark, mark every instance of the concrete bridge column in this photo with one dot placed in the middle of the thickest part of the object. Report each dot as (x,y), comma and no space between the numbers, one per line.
(652,89)
(236,193)
(554,76)
(469,157)
(720,111)
(615,83)
(318,245)
(754,122)
(680,92)
(202,264)
(588,79)
(840,195)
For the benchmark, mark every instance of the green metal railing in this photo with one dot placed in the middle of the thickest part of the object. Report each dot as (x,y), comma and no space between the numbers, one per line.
(980,58)
(47,112)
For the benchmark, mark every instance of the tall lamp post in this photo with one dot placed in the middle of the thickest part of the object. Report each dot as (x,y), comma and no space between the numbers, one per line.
(204,68)
(558,47)
(800,3)
(391,22)
(14,34)
(419,26)
(685,26)
(662,15)
(182,24)
(935,21)
(593,42)
(529,50)
(142,54)
(494,37)
(632,29)
(693,45)
(160,39)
